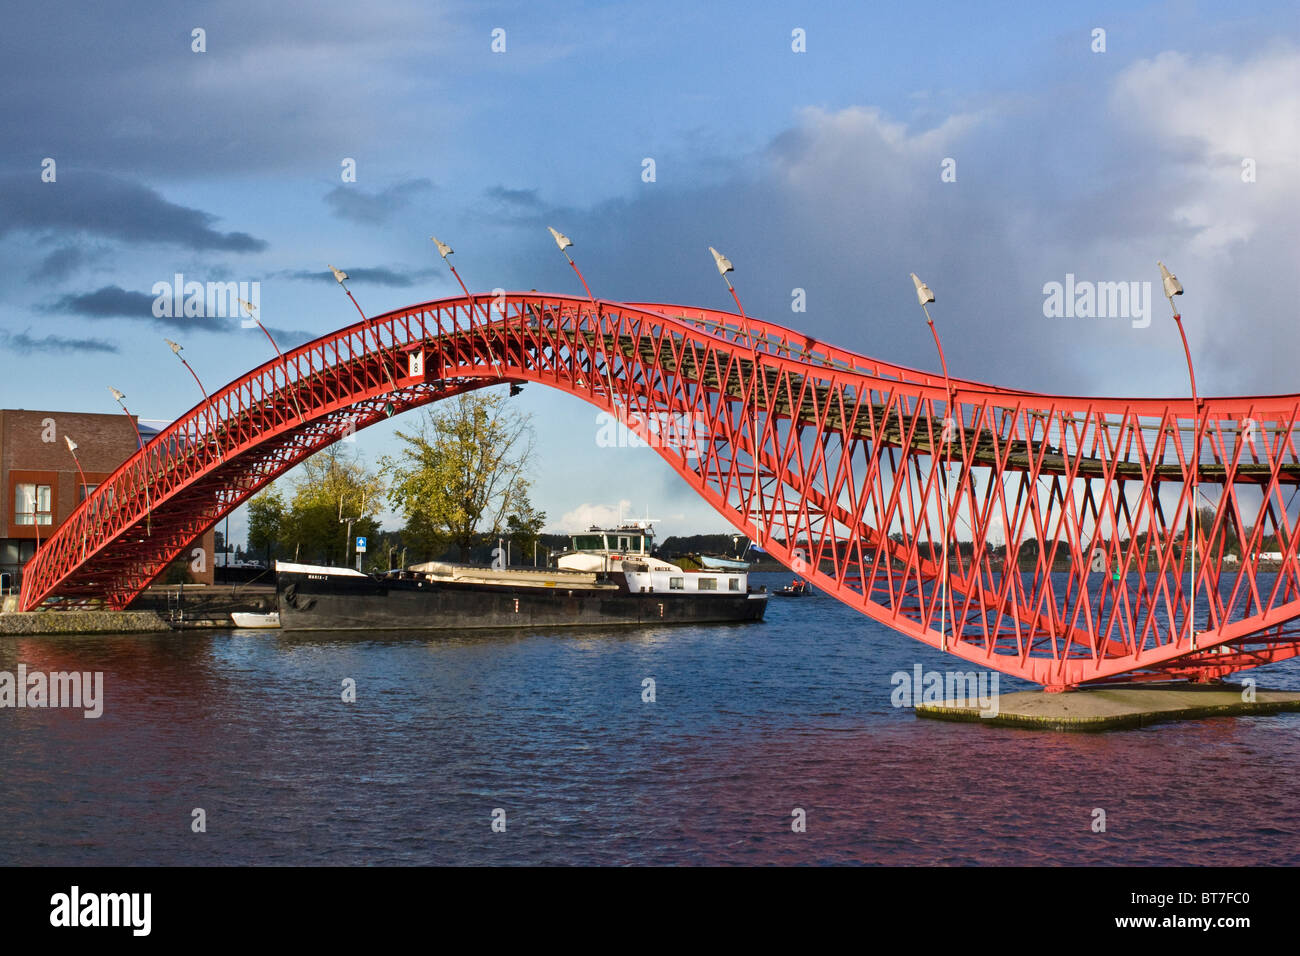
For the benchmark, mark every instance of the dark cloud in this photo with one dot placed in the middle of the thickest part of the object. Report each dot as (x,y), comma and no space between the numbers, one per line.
(519,198)
(519,206)
(97,204)
(114,302)
(350,202)
(24,344)
(110,301)
(291,338)
(378,275)
(122,89)
(63,262)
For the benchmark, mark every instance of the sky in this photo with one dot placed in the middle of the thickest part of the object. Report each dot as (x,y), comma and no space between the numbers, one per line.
(832,148)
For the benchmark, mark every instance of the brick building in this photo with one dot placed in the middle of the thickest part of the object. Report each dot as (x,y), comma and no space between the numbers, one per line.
(39,483)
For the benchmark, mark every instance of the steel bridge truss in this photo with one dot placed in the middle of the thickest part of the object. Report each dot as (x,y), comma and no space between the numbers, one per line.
(1048,537)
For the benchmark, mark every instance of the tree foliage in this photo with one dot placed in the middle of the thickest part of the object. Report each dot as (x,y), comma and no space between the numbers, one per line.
(461,472)
(329,486)
(524,527)
(266,516)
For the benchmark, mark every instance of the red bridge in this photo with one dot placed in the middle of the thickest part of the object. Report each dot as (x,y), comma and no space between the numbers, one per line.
(1046,536)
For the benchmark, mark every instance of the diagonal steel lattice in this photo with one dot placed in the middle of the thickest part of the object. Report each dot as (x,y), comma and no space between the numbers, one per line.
(1046,536)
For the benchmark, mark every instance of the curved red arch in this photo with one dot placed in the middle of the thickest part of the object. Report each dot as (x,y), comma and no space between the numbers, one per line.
(810,449)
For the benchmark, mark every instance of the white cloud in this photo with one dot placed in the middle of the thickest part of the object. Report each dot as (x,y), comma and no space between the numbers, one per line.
(1209,115)
(586,515)
(1227,110)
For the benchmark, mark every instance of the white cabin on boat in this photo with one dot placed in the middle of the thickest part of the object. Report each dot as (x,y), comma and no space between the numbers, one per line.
(605,549)
(627,549)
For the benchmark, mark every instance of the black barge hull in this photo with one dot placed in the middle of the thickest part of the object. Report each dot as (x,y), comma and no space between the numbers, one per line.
(313,602)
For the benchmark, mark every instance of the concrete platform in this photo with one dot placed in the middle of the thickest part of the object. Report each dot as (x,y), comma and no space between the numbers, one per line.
(1118,707)
(82,622)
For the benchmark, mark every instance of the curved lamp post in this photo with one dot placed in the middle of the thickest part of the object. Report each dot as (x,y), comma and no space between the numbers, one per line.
(249,308)
(564,242)
(724,266)
(177,349)
(341,278)
(445,250)
(1172,288)
(924,296)
(72,448)
(148,508)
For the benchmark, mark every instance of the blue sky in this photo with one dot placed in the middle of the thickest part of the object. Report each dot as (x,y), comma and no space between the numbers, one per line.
(817,170)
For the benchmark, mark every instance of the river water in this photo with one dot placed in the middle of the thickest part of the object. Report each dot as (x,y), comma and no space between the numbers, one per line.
(749,725)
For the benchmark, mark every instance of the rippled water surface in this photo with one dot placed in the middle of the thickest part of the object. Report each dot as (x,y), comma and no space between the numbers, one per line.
(750,722)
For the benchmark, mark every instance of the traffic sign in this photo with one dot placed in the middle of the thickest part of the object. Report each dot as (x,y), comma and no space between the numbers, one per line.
(361,544)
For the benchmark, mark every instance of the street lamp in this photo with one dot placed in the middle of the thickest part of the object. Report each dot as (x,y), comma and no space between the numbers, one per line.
(724,266)
(248,307)
(445,250)
(347,541)
(1172,288)
(176,349)
(924,296)
(72,448)
(148,509)
(341,278)
(564,242)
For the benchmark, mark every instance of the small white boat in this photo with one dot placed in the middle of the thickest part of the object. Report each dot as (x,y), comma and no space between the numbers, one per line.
(245,619)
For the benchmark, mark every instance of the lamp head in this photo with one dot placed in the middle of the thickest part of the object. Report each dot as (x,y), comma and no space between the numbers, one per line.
(561,239)
(173,346)
(723,263)
(444,250)
(1172,286)
(247,307)
(923,293)
(116,394)
(72,445)
(339,275)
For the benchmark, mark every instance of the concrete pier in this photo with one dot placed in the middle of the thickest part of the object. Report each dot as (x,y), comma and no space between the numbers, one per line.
(82,622)
(1118,707)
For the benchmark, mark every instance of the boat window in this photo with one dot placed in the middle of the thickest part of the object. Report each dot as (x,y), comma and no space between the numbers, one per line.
(622,543)
(707,584)
(733,584)
(676,584)
(588,542)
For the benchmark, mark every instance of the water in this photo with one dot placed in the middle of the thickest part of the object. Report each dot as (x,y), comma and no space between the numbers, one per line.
(750,722)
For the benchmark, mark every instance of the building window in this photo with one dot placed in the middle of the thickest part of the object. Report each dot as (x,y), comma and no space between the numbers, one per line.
(676,584)
(707,584)
(733,584)
(32,504)
(86,491)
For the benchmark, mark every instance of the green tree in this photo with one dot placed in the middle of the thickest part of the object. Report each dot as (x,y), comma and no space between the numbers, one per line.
(266,515)
(461,472)
(524,528)
(330,487)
